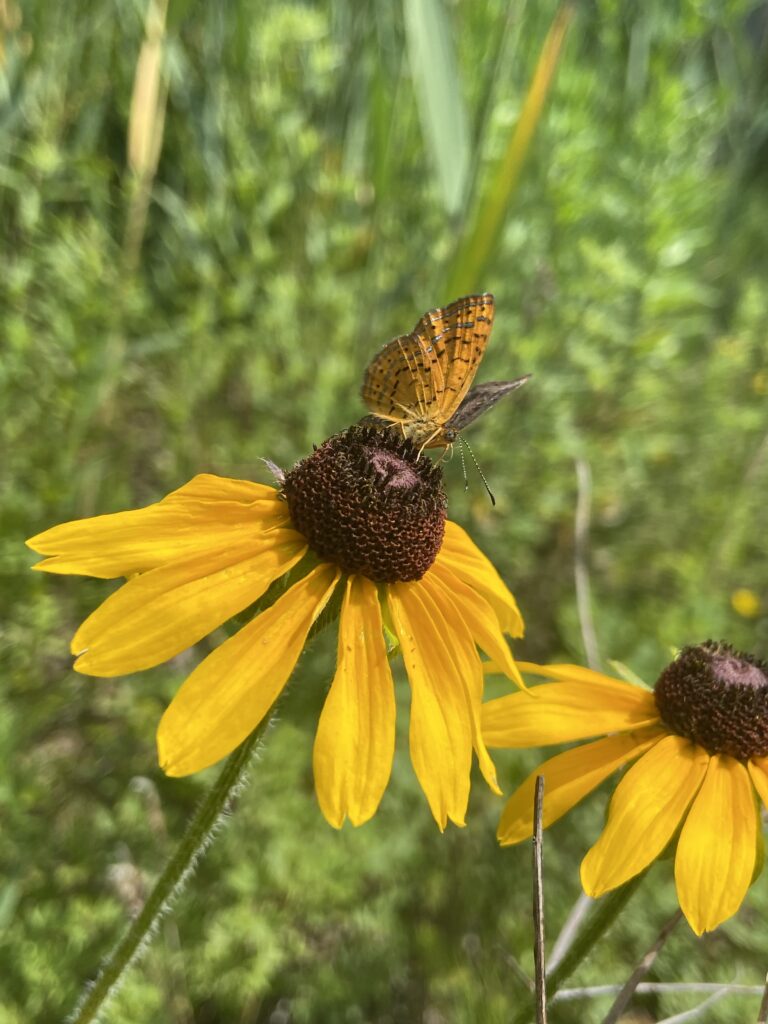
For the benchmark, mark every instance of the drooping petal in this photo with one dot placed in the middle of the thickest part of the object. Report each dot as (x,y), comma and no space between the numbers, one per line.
(355,739)
(229,693)
(441,727)
(568,778)
(190,520)
(460,554)
(480,618)
(758,771)
(460,644)
(162,612)
(759,774)
(716,850)
(562,712)
(645,811)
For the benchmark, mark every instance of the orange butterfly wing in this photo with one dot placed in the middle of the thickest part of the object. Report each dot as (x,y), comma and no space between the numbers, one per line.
(425,375)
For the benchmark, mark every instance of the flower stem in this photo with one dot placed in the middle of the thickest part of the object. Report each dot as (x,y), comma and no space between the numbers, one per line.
(597,923)
(198,836)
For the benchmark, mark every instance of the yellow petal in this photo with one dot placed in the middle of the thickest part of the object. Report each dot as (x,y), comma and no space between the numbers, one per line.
(645,811)
(480,618)
(441,728)
(717,847)
(162,612)
(568,778)
(460,644)
(758,770)
(460,554)
(562,712)
(209,487)
(187,521)
(355,738)
(227,695)
(575,674)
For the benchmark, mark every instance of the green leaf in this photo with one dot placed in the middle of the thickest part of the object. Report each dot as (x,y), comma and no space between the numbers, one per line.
(437,85)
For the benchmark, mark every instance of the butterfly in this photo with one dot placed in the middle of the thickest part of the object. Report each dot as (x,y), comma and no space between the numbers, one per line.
(420,382)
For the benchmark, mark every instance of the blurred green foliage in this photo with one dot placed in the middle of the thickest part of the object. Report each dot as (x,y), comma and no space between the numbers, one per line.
(304,210)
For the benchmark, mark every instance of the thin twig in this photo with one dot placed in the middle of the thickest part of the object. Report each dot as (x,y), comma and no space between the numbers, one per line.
(762,1016)
(569,931)
(538,904)
(656,988)
(581,562)
(624,996)
(738,503)
(519,972)
(696,1012)
(603,914)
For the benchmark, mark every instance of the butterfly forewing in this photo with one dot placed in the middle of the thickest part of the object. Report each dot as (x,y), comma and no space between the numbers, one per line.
(421,378)
(465,327)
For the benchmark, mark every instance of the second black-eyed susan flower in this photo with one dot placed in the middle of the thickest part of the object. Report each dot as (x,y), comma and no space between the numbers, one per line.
(700,746)
(364,513)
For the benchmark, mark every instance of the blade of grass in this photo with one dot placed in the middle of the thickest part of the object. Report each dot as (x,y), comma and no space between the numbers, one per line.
(437,85)
(145,127)
(476,245)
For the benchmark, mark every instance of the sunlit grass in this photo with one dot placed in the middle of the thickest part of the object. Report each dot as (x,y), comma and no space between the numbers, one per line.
(305,207)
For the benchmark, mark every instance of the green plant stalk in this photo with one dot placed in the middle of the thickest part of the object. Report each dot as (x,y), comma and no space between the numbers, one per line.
(599,921)
(199,835)
(479,239)
(197,838)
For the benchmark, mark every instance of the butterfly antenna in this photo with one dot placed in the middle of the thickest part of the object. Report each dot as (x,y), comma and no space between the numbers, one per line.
(477,467)
(462,442)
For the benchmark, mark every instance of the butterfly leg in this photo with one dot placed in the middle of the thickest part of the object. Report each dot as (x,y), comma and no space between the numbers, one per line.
(429,440)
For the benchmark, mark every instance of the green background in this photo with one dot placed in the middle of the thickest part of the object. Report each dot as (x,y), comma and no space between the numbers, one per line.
(321,168)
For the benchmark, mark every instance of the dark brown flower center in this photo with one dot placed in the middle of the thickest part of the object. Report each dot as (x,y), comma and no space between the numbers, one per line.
(366,500)
(717,697)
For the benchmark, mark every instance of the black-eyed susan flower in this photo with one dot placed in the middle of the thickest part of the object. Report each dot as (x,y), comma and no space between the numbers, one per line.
(699,742)
(363,518)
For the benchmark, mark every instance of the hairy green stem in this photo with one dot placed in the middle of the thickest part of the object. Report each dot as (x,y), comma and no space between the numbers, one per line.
(196,839)
(598,922)
(198,836)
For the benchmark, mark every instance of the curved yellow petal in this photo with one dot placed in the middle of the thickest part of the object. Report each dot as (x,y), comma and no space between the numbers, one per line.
(716,850)
(645,811)
(460,645)
(576,674)
(758,771)
(568,778)
(460,554)
(229,693)
(209,487)
(480,618)
(190,520)
(441,727)
(162,612)
(562,712)
(355,739)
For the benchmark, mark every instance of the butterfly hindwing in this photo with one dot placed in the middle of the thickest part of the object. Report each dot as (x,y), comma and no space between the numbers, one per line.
(481,398)
(398,383)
